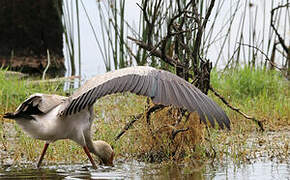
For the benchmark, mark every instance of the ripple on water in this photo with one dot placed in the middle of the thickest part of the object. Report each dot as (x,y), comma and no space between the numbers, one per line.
(137,170)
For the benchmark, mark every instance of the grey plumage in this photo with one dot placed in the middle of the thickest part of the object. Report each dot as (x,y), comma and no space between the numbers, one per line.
(162,86)
(36,104)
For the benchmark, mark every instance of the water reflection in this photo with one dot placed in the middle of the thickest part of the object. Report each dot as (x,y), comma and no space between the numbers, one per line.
(261,169)
(138,170)
(128,170)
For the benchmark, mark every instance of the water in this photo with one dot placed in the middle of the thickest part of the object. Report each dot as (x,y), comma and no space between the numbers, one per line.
(137,170)
(121,170)
(265,170)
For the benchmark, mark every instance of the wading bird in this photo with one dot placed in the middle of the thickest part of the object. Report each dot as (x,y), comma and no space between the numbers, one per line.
(53,117)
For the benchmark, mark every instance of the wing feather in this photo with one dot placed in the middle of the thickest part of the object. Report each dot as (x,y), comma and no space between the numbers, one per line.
(85,99)
(124,82)
(93,97)
(130,81)
(72,106)
(112,86)
(193,104)
(168,94)
(146,85)
(175,94)
(218,112)
(79,102)
(133,84)
(165,94)
(36,104)
(163,87)
(194,92)
(139,87)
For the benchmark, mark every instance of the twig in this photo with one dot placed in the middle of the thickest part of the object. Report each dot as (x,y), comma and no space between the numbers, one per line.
(137,117)
(154,15)
(128,125)
(169,33)
(267,58)
(151,110)
(47,66)
(156,52)
(201,28)
(281,40)
(175,132)
(237,109)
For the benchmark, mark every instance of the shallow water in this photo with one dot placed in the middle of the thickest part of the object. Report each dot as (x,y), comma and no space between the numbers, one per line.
(265,170)
(136,170)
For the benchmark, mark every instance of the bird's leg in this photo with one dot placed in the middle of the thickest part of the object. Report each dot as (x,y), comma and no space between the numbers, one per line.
(90,157)
(42,154)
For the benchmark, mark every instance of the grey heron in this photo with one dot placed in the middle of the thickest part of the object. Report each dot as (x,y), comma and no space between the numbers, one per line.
(52,117)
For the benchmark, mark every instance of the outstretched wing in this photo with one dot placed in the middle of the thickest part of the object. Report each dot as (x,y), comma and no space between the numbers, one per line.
(36,104)
(162,86)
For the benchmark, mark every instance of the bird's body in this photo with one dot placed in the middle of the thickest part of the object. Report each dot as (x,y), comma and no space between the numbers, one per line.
(50,127)
(53,117)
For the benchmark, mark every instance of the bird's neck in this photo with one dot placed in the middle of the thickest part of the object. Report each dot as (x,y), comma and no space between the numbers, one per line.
(103,150)
(93,148)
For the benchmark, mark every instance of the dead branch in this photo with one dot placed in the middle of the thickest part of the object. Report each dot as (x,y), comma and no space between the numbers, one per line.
(281,40)
(236,109)
(175,132)
(137,117)
(128,125)
(170,24)
(150,24)
(266,57)
(200,32)
(151,110)
(156,52)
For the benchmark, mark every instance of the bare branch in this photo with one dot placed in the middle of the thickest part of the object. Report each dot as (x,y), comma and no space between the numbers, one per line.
(128,125)
(266,57)
(156,53)
(156,107)
(169,34)
(199,34)
(237,109)
(175,132)
(281,40)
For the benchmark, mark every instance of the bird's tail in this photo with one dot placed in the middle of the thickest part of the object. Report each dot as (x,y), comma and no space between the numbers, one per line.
(9,116)
(18,115)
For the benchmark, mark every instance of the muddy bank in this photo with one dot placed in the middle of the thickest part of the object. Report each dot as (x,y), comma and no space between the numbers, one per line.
(35,65)
(28,29)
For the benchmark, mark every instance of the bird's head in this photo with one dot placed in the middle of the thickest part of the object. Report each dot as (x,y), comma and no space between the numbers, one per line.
(105,152)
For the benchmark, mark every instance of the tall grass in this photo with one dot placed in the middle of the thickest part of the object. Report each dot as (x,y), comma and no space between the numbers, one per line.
(14,90)
(249,82)
(259,92)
